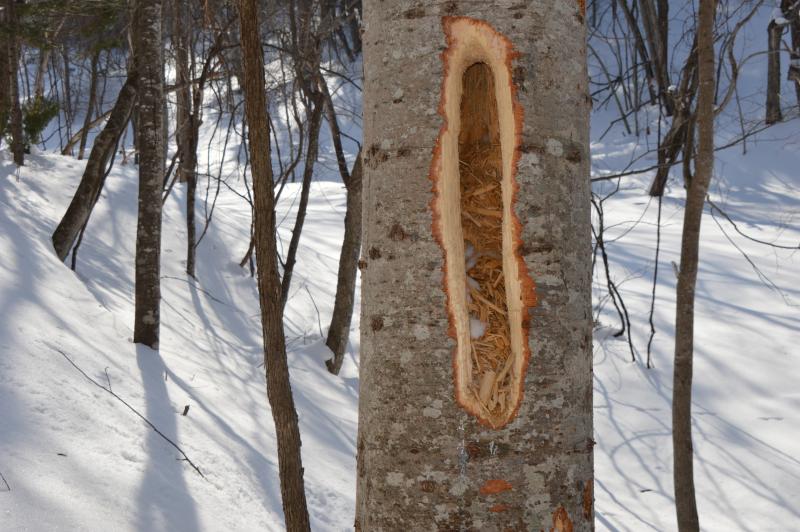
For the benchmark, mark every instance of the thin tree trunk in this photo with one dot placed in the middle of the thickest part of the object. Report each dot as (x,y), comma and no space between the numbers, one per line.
(791,12)
(683,454)
(67,84)
(429,457)
(339,331)
(279,389)
(183,107)
(80,208)
(148,61)
(90,106)
(185,130)
(41,71)
(658,53)
(773,111)
(5,86)
(315,121)
(12,50)
(672,143)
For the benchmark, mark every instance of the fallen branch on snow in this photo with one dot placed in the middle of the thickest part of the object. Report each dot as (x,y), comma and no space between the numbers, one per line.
(185,458)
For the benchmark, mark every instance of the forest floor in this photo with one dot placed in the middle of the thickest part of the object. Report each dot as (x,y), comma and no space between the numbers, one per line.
(74,457)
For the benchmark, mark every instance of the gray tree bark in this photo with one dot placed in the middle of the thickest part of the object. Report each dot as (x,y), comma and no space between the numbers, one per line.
(148,64)
(423,462)
(279,390)
(88,192)
(683,454)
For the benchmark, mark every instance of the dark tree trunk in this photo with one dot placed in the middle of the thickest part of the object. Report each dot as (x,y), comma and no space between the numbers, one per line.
(183,92)
(774,32)
(653,28)
(12,63)
(339,329)
(5,86)
(80,208)
(186,127)
(348,267)
(90,106)
(315,121)
(148,61)
(279,389)
(793,16)
(673,141)
(683,454)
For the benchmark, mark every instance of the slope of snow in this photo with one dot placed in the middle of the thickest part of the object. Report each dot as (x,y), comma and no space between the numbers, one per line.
(78,459)
(746,402)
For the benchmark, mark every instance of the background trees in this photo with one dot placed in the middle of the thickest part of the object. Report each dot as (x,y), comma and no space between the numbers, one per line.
(279,388)
(77,83)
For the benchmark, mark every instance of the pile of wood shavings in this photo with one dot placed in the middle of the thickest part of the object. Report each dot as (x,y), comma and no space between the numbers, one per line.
(481,221)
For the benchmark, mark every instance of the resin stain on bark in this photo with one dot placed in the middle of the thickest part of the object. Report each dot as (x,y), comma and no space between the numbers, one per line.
(495,486)
(489,292)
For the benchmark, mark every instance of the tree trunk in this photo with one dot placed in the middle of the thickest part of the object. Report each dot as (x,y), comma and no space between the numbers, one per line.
(685,503)
(339,331)
(148,61)
(654,29)
(90,106)
(774,32)
(183,92)
(456,432)
(12,64)
(5,86)
(315,121)
(186,126)
(792,14)
(88,192)
(41,71)
(279,389)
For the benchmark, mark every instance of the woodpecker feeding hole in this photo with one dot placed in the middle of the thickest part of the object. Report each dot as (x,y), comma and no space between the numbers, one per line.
(474,176)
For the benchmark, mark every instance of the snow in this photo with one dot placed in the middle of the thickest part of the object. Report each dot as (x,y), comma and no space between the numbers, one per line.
(476,328)
(76,458)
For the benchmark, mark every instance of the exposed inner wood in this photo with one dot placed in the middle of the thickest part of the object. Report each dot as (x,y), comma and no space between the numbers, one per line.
(480,172)
(474,171)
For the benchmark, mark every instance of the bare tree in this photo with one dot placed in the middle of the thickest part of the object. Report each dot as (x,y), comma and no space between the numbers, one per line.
(279,389)
(773,114)
(685,503)
(12,42)
(91,184)
(148,63)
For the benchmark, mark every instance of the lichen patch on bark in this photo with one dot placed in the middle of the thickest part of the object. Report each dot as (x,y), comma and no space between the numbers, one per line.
(474,167)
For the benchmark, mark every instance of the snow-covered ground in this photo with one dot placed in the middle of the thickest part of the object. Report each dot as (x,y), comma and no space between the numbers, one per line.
(76,458)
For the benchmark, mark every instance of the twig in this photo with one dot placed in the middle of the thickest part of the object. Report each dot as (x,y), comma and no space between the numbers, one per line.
(655,281)
(185,458)
(319,322)
(761,275)
(714,207)
(8,488)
